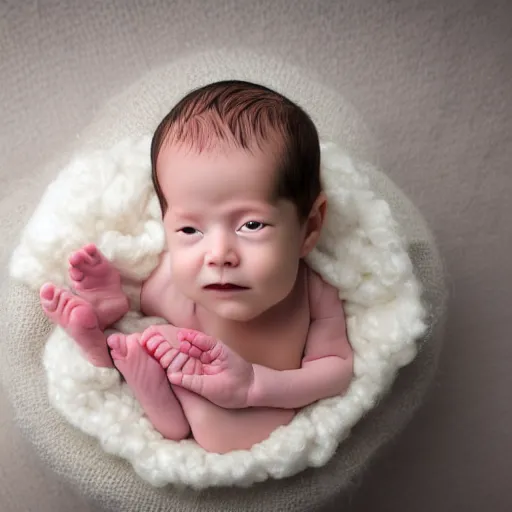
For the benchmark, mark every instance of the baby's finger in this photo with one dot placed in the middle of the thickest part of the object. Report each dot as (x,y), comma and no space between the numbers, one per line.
(185,347)
(168,358)
(206,358)
(161,350)
(191,350)
(154,343)
(186,334)
(178,362)
(195,352)
(202,341)
(175,378)
(150,333)
(192,366)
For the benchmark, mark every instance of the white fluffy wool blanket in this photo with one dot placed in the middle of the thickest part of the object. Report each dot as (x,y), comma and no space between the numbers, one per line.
(107,197)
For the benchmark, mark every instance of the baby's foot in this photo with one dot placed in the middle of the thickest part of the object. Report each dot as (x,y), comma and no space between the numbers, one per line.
(206,366)
(96,280)
(77,317)
(150,386)
(171,356)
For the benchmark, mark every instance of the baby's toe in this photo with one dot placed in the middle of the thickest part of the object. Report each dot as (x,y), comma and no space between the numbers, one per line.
(117,344)
(47,292)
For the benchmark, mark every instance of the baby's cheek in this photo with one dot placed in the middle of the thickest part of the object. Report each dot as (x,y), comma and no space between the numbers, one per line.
(262,264)
(181,265)
(278,272)
(185,265)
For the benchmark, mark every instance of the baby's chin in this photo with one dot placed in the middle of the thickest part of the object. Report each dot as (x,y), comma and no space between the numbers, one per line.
(234,312)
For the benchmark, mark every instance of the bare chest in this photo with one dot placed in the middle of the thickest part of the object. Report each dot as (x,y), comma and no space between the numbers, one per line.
(275,339)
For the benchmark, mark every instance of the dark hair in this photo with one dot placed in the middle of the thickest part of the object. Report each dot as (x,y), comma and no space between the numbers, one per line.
(247,115)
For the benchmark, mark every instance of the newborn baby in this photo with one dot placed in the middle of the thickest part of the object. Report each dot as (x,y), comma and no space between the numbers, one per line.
(253,333)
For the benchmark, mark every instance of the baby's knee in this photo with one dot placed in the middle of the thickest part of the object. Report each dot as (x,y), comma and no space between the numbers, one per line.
(214,443)
(240,429)
(177,432)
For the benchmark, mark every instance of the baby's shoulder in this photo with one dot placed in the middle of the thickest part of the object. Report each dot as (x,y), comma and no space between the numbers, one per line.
(161,297)
(316,283)
(322,295)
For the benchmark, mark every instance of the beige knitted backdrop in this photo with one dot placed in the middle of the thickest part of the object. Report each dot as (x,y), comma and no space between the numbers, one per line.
(431,79)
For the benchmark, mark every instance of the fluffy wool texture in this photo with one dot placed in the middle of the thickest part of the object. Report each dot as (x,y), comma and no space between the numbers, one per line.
(107,197)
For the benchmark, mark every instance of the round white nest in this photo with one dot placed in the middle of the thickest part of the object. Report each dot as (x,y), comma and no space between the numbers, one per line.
(107,197)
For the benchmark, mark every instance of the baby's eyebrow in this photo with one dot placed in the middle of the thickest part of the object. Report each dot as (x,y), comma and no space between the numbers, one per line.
(262,208)
(184,215)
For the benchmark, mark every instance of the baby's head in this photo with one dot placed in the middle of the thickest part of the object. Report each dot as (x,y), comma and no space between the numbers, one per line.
(236,168)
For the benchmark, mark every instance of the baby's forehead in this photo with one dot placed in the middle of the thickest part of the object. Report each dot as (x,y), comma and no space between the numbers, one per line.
(206,141)
(265,158)
(257,169)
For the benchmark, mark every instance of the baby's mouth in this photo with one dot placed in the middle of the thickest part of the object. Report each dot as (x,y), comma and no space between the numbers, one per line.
(225,287)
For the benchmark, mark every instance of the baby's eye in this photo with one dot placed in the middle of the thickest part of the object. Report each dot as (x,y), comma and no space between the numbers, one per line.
(252,226)
(188,230)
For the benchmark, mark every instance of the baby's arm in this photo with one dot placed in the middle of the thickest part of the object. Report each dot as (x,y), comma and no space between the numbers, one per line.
(208,367)
(327,366)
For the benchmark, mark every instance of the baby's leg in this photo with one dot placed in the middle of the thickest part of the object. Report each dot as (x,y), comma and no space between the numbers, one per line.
(148,381)
(96,280)
(221,430)
(77,317)
(214,428)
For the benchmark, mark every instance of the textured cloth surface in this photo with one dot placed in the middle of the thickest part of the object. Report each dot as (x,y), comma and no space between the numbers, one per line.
(112,482)
(432,80)
(107,197)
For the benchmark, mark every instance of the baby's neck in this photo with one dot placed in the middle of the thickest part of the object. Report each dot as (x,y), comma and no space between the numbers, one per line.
(225,328)
(255,340)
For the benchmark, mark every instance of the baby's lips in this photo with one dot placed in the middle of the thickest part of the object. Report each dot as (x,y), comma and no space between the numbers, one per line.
(225,286)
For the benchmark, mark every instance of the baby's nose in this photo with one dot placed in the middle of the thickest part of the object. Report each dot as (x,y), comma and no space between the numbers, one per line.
(222,254)
(227,260)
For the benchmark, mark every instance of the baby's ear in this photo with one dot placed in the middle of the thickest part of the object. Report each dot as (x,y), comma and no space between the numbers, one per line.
(314,223)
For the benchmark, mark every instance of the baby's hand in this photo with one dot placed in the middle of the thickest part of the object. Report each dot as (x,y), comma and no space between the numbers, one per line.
(212,370)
